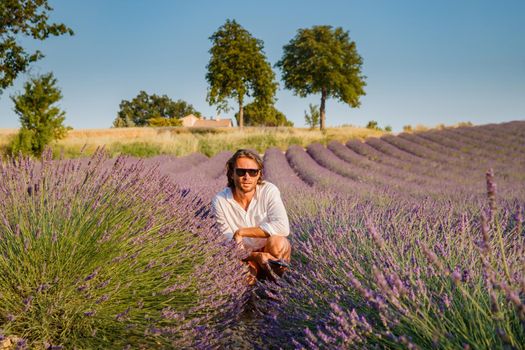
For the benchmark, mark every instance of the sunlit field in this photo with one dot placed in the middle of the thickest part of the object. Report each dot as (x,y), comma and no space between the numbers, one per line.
(148,142)
(400,241)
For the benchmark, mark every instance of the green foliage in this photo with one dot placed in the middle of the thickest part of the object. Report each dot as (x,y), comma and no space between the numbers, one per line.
(257,115)
(323,60)
(238,68)
(41,122)
(467,123)
(388,128)
(312,118)
(26,18)
(136,149)
(161,121)
(150,110)
(373,125)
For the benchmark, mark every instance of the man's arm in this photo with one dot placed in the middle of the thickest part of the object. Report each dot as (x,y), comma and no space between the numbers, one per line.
(219,215)
(277,224)
(253,232)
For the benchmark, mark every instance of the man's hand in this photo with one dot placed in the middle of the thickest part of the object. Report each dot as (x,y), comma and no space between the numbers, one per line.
(262,259)
(237,236)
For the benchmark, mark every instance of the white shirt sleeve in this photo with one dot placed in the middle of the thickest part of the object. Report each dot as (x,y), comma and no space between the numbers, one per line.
(219,215)
(277,223)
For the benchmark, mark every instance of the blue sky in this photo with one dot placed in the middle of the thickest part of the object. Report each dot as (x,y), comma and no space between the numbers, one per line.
(426,62)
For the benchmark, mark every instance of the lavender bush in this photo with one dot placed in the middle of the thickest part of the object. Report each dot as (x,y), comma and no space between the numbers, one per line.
(97,257)
(443,272)
(396,276)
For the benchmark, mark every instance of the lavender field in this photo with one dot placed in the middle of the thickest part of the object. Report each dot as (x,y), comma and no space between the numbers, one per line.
(413,241)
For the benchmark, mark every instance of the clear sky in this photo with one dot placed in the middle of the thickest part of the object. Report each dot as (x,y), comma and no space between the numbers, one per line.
(426,62)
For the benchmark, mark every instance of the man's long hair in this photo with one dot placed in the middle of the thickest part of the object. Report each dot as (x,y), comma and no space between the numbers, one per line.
(246,153)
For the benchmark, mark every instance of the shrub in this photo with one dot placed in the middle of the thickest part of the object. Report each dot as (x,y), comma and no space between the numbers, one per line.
(258,114)
(103,253)
(312,117)
(421,127)
(41,122)
(407,128)
(373,125)
(161,121)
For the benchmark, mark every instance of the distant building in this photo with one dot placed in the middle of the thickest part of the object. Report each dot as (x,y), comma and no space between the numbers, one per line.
(196,122)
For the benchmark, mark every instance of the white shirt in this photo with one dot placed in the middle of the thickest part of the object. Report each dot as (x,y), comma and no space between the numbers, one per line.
(266,210)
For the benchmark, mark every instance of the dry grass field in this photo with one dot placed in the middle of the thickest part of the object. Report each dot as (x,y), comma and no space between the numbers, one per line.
(147,142)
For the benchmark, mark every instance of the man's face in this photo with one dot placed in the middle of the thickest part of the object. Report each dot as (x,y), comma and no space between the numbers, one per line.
(245,183)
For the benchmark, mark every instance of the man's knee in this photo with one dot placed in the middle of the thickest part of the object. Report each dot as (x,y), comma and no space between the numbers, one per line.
(279,247)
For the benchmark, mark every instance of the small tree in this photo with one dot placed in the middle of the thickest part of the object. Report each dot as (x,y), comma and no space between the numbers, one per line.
(152,110)
(27,18)
(257,115)
(323,60)
(372,124)
(238,68)
(159,121)
(41,122)
(407,128)
(312,118)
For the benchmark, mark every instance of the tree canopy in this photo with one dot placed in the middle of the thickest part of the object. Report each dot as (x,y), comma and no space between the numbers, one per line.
(41,121)
(238,68)
(152,110)
(323,60)
(23,18)
(260,115)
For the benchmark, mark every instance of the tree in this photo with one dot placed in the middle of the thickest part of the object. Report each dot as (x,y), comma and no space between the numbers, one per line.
(152,110)
(323,60)
(41,122)
(27,18)
(312,118)
(257,115)
(372,124)
(238,68)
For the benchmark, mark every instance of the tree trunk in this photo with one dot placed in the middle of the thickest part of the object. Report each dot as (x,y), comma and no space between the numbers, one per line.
(241,116)
(322,109)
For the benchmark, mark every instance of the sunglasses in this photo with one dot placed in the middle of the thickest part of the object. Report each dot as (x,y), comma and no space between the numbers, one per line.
(241,172)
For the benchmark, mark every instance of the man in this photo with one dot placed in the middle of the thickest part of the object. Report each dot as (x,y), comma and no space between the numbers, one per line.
(251,212)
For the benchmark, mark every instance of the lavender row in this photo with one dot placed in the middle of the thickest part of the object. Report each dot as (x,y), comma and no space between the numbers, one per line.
(509,166)
(456,166)
(478,157)
(331,161)
(277,170)
(360,160)
(407,145)
(452,154)
(419,173)
(488,144)
(315,175)
(448,139)
(514,130)
(171,165)
(206,178)
(496,137)
(420,165)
